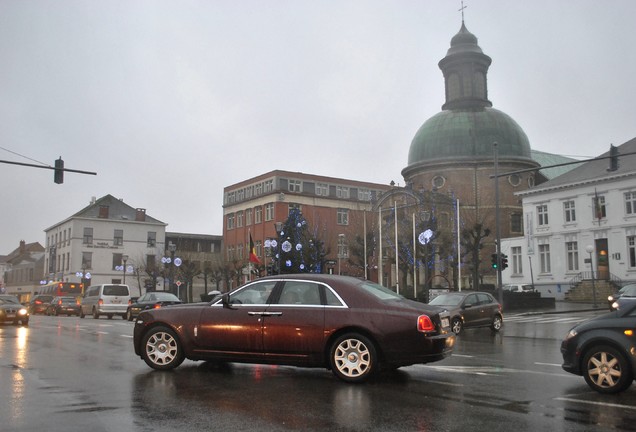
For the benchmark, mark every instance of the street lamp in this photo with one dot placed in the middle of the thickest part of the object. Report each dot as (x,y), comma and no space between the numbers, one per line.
(341,240)
(589,249)
(124,258)
(278,226)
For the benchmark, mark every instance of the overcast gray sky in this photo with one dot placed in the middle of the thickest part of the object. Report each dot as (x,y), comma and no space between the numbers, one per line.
(170,101)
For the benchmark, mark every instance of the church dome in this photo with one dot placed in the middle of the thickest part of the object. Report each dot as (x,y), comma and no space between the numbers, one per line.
(454,135)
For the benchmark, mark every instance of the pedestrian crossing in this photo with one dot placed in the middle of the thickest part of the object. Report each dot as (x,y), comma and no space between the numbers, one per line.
(548,318)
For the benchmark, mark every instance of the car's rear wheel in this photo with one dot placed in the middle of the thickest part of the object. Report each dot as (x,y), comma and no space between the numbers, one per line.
(161,349)
(606,370)
(353,358)
(95,314)
(457,326)
(81,313)
(496,324)
(129,316)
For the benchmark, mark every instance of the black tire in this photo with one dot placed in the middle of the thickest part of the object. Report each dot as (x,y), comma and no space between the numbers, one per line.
(497,323)
(129,316)
(81,313)
(110,316)
(353,358)
(457,326)
(95,314)
(56,313)
(161,349)
(606,370)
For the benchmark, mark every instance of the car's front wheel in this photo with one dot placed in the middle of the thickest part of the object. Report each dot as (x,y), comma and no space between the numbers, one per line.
(353,358)
(496,324)
(161,349)
(129,316)
(606,370)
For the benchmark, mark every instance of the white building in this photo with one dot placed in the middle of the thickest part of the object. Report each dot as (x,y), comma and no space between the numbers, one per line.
(92,245)
(586,213)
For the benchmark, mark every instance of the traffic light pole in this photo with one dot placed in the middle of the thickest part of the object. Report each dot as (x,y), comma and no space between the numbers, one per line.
(498,233)
(59,169)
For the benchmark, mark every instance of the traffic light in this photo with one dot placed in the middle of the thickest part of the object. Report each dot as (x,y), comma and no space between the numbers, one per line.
(504,261)
(58,175)
(494,259)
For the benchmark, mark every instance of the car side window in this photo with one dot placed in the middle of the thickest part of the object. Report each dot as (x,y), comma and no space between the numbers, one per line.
(483,298)
(300,293)
(471,300)
(253,294)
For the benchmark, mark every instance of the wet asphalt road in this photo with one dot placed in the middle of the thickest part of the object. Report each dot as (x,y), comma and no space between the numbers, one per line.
(71,374)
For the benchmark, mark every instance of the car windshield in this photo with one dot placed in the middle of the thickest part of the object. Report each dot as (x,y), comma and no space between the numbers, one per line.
(379,291)
(629,291)
(447,300)
(68,300)
(10,299)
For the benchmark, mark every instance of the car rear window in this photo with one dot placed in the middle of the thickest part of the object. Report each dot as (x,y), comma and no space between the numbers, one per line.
(115,290)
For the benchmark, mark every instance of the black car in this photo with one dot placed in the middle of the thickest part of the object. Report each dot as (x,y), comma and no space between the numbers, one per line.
(39,303)
(13,312)
(627,297)
(614,297)
(471,309)
(9,297)
(151,300)
(63,306)
(603,350)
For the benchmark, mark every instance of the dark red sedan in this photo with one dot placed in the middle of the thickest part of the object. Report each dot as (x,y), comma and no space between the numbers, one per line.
(351,326)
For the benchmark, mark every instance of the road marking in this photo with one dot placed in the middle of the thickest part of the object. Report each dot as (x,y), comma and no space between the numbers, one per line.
(547,364)
(126,336)
(605,404)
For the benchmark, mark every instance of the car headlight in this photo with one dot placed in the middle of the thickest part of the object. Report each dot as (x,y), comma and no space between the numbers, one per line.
(615,305)
(22,312)
(610,299)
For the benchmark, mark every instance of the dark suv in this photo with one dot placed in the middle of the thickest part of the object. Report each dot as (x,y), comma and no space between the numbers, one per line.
(602,350)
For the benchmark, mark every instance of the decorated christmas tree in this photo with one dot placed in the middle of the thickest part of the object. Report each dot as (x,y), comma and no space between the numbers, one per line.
(297,249)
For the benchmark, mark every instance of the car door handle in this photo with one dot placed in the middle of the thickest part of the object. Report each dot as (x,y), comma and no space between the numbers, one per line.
(265,313)
(272,313)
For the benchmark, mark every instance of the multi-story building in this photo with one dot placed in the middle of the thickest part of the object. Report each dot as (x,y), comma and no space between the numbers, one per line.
(334,207)
(23,269)
(106,242)
(201,258)
(579,225)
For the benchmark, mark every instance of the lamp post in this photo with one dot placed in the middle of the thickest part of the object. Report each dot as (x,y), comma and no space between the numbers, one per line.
(278,226)
(124,258)
(341,239)
(589,249)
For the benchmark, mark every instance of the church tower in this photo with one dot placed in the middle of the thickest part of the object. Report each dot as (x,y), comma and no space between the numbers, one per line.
(453,151)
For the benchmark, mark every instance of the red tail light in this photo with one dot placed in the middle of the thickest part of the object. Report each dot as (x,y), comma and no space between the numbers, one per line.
(157,306)
(100,302)
(424,324)
(59,302)
(38,302)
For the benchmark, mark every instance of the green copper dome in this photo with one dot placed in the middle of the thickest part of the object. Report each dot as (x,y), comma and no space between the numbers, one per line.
(468,134)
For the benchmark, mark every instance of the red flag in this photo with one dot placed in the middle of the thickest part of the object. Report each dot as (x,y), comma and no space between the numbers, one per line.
(253,257)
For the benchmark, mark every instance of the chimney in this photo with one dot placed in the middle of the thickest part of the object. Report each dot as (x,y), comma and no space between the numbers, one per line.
(22,246)
(140,216)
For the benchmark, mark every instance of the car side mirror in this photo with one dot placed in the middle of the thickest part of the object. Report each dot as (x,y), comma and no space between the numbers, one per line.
(225,301)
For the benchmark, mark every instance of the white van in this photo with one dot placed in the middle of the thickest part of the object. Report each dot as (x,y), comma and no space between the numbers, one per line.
(519,288)
(106,299)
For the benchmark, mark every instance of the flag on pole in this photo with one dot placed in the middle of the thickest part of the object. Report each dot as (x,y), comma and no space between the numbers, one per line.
(253,257)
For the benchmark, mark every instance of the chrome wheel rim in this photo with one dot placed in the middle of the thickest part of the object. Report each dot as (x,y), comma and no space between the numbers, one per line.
(352,358)
(604,370)
(161,348)
(497,323)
